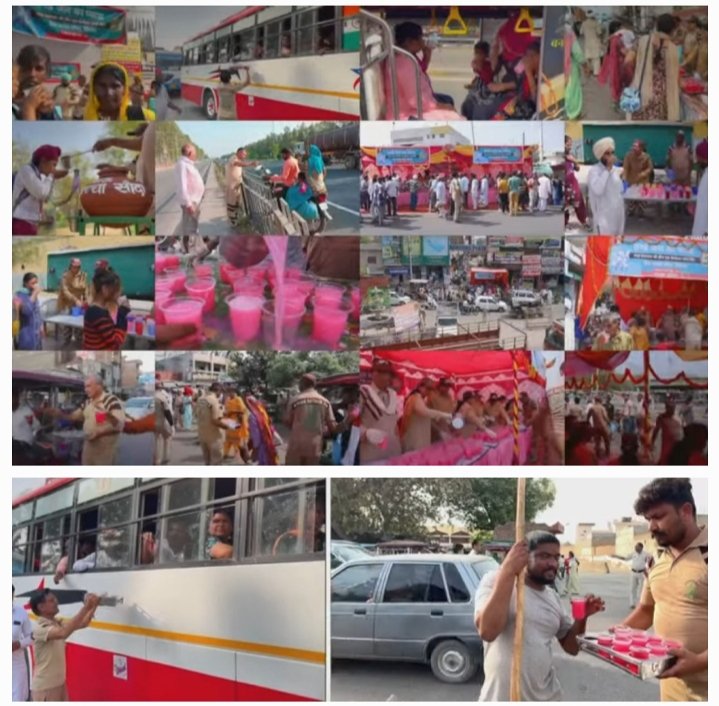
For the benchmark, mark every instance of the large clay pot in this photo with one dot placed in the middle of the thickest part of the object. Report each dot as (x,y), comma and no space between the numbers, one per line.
(116,196)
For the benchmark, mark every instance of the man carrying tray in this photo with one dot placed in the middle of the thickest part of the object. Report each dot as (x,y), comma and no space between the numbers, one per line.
(675,599)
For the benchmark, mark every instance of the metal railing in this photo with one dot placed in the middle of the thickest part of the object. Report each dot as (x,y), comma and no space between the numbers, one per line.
(377,52)
(268,217)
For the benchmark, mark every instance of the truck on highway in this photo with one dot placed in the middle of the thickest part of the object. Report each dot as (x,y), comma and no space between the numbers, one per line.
(338,144)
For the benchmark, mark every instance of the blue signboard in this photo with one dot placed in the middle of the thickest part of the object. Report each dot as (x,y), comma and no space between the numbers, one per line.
(101,25)
(489,155)
(435,246)
(659,259)
(396,156)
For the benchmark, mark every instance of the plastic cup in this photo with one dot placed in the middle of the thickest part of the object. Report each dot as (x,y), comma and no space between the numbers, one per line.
(203,270)
(183,310)
(203,289)
(166,262)
(639,640)
(658,650)
(139,325)
(245,316)
(621,645)
(356,297)
(605,639)
(161,296)
(329,324)
(258,272)
(131,323)
(291,319)
(293,273)
(329,295)
(579,608)
(76,311)
(245,285)
(639,652)
(100,416)
(228,272)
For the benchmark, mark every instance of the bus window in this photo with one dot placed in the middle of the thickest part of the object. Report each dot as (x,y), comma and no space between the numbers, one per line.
(19,550)
(36,553)
(184,493)
(223,50)
(220,533)
(244,45)
(55,543)
(210,52)
(223,488)
(304,39)
(326,39)
(259,50)
(277,519)
(286,37)
(181,541)
(149,508)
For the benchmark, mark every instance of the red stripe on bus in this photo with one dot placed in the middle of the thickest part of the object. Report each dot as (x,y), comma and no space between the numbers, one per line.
(52,484)
(269,109)
(192,93)
(90,678)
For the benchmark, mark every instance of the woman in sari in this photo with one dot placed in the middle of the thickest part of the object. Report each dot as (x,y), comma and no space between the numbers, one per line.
(109,97)
(27,306)
(573,62)
(262,434)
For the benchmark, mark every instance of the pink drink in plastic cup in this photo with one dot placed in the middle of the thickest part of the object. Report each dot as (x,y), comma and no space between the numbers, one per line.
(228,272)
(621,645)
(161,296)
(605,639)
(579,608)
(639,652)
(329,295)
(203,289)
(244,285)
(658,650)
(639,640)
(183,310)
(356,302)
(201,271)
(292,316)
(139,325)
(130,324)
(245,315)
(329,324)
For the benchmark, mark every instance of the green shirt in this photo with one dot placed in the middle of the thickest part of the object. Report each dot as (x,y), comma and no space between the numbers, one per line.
(515,183)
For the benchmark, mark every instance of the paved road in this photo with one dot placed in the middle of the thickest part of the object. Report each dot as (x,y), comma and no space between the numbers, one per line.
(583,677)
(185,451)
(341,185)
(510,328)
(136,450)
(490,222)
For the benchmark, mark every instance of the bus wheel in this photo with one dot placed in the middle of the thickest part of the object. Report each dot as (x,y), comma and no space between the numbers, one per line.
(209,105)
(350,162)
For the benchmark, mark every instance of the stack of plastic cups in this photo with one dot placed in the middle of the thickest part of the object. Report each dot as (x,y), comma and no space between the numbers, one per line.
(245,316)
(330,316)
(204,289)
(163,292)
(166,262)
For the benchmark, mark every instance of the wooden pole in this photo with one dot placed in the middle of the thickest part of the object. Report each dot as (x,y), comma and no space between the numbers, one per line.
(515,691)
(515,414)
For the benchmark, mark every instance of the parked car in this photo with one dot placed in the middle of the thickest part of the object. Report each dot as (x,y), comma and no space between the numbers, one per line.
(488,303)
(139,407)
(411,608)
(525,297)
(342,551)
(447,326)
(398,299)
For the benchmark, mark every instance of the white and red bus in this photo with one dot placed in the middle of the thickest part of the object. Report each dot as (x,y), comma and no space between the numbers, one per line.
(303,63)
(188,628)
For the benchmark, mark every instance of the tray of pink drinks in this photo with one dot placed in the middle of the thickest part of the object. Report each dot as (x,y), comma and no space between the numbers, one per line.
(296,312)
(636,652)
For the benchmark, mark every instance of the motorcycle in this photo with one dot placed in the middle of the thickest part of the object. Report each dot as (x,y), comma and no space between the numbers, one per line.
(467,307)
(315,225)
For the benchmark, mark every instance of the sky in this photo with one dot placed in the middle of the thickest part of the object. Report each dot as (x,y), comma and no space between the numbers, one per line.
(220,138)
(602,500)
(146,357)
(377,134)
(174,24)
(666,363)
(69,136)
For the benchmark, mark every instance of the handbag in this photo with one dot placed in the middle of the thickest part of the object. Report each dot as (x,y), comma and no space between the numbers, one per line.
(631,99)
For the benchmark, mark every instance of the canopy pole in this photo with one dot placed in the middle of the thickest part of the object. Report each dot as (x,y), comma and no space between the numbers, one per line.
(647,422)
(515,417)
(516,675)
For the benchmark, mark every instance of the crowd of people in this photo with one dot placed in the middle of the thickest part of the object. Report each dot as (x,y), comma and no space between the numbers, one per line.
(644,71)
(98,299)
(596,421)
(109,94)
(683,328)
(393,423)
(233,427)
(462,192)
(503,82)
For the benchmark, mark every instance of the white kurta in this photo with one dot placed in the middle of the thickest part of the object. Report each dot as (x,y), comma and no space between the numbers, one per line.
(605,200)
(701,214)
(484,192)
(22,633)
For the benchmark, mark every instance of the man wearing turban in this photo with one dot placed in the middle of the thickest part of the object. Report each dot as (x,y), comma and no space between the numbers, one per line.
(605,190)
(31,189)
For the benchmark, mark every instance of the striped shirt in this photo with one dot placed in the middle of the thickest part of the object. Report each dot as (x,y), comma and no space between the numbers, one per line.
(101,332)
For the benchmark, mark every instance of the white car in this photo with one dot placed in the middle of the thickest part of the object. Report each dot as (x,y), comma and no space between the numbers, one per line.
(525,297)
(447,326)
(398,299)
(487,303)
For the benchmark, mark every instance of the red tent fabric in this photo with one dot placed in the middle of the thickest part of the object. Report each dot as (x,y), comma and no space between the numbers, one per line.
(655,295)
(595,273)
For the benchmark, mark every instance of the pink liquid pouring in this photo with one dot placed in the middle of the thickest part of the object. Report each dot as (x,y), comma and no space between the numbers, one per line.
(293,314)
(245,316)
(203,289)
(277,245)
(329,323)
